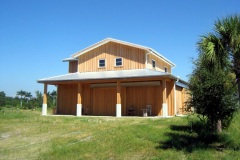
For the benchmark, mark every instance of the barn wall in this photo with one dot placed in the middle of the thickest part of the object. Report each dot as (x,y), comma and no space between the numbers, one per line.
(179,99)
(160,64)
(182,97)
(170,97)
(139,97)
(67,99)
(73,66)
(133,58)
(102,101)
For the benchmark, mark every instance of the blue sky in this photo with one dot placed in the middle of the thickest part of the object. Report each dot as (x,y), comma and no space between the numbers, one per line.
(35,35)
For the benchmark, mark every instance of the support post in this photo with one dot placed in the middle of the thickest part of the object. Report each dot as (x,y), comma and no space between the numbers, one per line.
(118,105)
(44,105)
(164,104)
(79,100)
(175,99)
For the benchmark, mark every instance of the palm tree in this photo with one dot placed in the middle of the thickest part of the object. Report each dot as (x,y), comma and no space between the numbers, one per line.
(21,93)
(222,47)
(28,95)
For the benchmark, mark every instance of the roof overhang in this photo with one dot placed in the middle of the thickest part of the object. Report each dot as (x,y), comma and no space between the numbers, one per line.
(182,83)
(69,59)
(108,75)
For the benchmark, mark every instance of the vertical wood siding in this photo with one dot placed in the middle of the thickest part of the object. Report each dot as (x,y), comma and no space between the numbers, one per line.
(133,58)
(160,64)
(73,66)
(182,97)
(179,99)
(67,99)
(102,101)
(170,98)
(86,99)
(139,97)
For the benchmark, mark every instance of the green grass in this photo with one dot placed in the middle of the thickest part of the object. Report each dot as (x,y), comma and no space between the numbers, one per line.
(25,134)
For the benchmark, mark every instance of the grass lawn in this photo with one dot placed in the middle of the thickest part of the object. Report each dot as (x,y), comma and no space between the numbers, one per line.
(25,134)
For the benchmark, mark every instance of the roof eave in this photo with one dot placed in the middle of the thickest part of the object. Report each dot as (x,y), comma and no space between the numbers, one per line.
(169,75)
(162,57)
(69,59)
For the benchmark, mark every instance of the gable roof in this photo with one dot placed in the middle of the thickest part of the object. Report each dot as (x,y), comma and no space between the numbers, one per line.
(107,40)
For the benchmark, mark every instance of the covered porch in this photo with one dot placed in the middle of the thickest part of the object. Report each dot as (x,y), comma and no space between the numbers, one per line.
(121,96)
(118,98)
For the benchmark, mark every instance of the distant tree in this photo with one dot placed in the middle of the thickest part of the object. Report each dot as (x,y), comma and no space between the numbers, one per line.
(38,99)
(13,102)
(2,98)
(21,93)
(51,96)
(28,96)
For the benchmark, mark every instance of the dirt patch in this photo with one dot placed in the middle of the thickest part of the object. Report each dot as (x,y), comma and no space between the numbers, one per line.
(5,136)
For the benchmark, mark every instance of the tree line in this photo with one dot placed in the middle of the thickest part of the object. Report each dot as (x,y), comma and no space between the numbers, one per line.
(26,100)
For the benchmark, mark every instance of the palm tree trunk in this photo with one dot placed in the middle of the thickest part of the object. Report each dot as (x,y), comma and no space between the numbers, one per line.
(219,126)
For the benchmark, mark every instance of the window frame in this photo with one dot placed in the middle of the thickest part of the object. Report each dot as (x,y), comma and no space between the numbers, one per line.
(100,63)
(165,69)
(116,62)
(153,66)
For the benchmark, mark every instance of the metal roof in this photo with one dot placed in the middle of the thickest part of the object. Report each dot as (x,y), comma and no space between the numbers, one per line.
(137,73)
(181,84)
(69,59)
(148,49)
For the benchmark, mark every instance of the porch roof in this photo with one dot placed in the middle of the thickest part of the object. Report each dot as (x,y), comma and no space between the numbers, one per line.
(120,74)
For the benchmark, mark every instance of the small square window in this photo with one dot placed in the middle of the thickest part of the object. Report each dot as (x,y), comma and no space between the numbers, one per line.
(165,69)
(101,63)
(118,62)
(153,64)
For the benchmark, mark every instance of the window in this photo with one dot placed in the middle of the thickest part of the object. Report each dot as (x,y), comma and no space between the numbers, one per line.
(165,69)
(101,63)
(118,62)
(153,64)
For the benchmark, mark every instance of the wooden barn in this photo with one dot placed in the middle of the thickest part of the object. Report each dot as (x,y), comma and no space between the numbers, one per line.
(117,78)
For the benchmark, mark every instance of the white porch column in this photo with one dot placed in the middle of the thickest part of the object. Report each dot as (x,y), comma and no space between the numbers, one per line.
(118,105)
(79,100)
(44,105)
(79,110)
(164,104)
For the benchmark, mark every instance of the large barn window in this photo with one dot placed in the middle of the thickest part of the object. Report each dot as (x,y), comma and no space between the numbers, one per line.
(101,63)
(118,62)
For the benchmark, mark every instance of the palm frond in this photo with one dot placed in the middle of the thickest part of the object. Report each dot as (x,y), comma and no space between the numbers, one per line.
(211,51)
